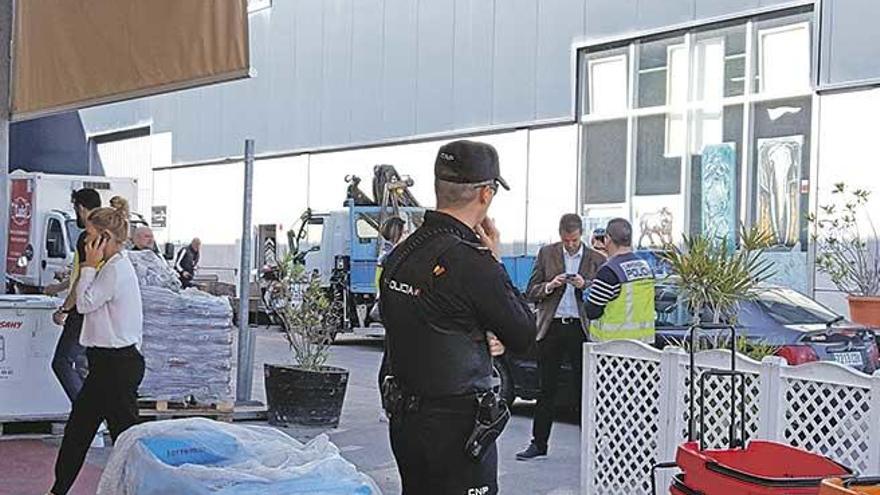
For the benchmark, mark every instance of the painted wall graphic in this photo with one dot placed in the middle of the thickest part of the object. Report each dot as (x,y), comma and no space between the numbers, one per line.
(719,191)
(778,195)
(657,220)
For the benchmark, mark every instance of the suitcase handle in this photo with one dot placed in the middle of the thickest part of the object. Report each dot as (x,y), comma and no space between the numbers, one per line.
(733,442)
(733,373)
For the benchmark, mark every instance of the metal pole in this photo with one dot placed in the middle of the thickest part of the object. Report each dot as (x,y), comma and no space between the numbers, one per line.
(5,82)
(244,382)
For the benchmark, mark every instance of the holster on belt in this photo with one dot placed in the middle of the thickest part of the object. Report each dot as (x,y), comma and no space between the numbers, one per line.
(395,401)
(492,416)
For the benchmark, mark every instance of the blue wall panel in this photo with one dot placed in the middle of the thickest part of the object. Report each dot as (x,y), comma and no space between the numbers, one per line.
(434,109)
(714,8)
(399,68)
(472,63)
(850,41)
(366,70)
(513,88)
(560,22)
(611,17)
(658,13)
(309,70)
(336,97)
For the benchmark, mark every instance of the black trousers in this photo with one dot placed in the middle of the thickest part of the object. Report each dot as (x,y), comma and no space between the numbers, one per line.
(564,341)
(429,448)
(108,393)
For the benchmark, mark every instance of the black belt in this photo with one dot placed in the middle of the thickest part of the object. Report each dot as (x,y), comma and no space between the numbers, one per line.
(113,351)
(567,321)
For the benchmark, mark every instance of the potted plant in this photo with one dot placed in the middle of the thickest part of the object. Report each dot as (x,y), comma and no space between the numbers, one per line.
(308,392)
(847,255)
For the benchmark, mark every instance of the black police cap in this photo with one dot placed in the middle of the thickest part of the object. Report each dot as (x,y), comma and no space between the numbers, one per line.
(468,162)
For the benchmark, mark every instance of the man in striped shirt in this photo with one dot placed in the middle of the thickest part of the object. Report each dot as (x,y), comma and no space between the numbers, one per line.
(620,302)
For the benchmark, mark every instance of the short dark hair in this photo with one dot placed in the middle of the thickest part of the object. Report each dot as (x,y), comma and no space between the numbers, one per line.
(87,198)
(620,231)
(454,195)
(571,223)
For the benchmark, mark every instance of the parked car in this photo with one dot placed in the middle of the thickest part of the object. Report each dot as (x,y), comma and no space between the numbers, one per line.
(795,326)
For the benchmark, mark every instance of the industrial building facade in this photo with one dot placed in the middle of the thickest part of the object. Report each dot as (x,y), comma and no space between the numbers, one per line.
(686,116)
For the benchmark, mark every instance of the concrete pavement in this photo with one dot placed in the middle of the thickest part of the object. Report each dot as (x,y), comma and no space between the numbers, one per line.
(26,465)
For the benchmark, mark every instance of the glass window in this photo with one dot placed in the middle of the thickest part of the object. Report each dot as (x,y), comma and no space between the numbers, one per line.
(790,307)
(658,168)
(719,62)
(55,246)
(604,162)
(660,61)
(782,55)
(73,232)
(366,228)
(605,82)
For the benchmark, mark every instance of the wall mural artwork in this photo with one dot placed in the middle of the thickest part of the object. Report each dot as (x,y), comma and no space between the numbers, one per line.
(719,191)
(656,228)
(778,198)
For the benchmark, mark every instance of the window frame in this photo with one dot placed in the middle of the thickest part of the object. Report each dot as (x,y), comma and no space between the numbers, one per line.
(802,16)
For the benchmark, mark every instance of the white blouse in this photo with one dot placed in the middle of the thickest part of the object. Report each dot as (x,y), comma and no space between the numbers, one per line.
(110,300)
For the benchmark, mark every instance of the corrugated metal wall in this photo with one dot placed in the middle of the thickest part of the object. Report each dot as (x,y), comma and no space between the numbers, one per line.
(350,72)
(342,72)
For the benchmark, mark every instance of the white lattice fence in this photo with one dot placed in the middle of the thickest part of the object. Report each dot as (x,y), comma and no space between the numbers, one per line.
(622,400)
(635,411)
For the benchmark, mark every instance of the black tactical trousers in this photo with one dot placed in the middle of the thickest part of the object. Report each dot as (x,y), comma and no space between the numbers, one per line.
(429,448)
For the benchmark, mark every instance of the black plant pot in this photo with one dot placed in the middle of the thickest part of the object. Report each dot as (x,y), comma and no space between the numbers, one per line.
(304,397)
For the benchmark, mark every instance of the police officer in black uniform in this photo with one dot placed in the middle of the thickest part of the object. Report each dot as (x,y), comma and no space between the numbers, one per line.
(446,299)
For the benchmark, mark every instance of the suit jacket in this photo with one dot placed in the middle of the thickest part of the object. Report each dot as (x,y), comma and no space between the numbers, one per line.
(549,264)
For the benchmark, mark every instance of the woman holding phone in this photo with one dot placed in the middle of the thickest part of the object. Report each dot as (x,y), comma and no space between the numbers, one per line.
(110,301)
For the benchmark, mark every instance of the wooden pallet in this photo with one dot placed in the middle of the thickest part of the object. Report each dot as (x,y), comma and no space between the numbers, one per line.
(32,428)
(157,409)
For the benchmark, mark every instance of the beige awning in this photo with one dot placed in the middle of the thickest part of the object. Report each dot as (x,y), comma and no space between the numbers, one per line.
(69,54)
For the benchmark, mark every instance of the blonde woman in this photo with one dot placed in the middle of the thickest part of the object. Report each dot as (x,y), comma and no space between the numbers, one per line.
(110,301)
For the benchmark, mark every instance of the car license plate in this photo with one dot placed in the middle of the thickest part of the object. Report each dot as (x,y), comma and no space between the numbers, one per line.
(849,358)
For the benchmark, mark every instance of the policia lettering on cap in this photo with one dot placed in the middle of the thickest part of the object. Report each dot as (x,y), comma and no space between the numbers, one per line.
(443,291)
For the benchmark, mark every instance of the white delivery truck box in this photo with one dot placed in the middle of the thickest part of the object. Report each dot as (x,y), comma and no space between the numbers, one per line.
(42,224)
(28,388)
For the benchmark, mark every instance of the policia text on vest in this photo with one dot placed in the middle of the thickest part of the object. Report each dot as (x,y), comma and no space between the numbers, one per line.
(621,300)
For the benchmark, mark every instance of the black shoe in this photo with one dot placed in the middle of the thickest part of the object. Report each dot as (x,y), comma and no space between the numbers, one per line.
(531,453)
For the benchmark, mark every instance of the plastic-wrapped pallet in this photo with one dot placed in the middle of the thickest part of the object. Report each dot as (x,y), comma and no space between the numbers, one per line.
(203,457)
(188,336)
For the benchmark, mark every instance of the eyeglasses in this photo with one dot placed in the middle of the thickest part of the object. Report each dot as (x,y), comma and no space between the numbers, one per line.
(492,183)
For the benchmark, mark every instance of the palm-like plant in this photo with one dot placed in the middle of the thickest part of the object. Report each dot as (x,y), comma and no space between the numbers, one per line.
(714,278)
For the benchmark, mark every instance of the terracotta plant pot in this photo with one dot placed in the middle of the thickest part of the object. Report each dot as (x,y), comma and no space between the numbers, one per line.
(865,309)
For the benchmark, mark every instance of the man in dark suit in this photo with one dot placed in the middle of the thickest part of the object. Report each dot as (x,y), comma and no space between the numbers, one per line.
(562,272)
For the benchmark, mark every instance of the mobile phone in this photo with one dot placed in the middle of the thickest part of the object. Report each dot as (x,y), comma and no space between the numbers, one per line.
(570,276)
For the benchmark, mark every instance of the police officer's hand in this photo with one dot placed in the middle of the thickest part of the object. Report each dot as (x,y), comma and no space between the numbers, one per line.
(578,281)
(557,282)
(490,237)
(496,348)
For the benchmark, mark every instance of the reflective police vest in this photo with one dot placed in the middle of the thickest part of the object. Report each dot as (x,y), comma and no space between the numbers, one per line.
(631,314)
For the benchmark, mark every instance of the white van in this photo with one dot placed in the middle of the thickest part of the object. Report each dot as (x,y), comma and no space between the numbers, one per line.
(42,233)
